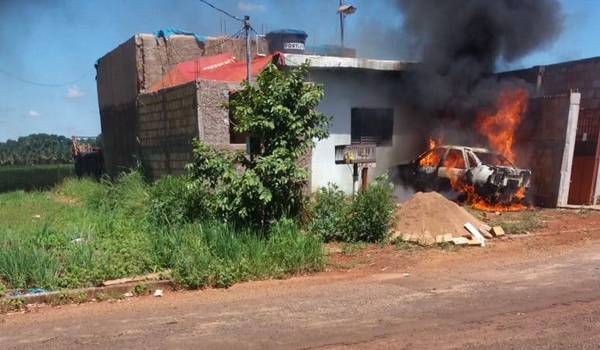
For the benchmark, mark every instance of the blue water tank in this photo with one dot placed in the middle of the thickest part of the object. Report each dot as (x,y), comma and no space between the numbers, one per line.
(287,41)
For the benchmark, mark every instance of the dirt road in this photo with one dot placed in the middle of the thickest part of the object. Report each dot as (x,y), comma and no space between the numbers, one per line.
(540,292)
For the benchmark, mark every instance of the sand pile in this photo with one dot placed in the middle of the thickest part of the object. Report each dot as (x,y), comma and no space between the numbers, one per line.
(426,216)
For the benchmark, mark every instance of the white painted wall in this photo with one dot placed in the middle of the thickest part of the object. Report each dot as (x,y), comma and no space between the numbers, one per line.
(344,90)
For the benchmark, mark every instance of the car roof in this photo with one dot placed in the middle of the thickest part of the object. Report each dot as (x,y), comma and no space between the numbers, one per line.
(469,148)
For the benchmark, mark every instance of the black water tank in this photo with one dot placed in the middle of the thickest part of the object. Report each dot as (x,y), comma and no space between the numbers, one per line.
(287,41)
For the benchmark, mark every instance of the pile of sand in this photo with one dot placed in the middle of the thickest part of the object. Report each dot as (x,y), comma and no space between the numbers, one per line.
(426,216)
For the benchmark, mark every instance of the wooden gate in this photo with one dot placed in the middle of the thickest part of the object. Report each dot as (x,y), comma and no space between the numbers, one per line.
(585,158)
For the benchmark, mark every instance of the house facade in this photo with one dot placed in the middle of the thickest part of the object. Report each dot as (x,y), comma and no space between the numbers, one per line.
(154,127)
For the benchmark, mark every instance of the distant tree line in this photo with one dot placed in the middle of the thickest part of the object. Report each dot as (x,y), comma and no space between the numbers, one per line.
(38,149)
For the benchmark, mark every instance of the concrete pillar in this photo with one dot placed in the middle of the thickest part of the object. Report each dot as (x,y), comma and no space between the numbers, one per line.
(569,150)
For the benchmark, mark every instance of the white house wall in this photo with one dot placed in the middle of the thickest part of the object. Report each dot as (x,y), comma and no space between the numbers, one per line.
(344,90)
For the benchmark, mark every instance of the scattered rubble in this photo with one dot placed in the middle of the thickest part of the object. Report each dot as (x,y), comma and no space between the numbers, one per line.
(428,218)
(497,231)
(149,277)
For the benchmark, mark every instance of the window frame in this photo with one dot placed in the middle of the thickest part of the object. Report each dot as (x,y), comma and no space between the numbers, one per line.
(362,130)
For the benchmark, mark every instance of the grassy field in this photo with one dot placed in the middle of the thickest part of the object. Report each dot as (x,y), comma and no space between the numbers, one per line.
(33,177)
(82,233)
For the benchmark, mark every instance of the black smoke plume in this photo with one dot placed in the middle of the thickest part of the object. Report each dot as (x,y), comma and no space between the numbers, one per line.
(460,44)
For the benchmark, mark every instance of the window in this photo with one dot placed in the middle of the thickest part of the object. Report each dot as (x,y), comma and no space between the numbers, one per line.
(493,159)
(234,136)
(472,161)
(432,157)
(372,125)
(454,159)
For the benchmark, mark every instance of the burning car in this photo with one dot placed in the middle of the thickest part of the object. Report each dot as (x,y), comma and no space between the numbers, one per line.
(467,170)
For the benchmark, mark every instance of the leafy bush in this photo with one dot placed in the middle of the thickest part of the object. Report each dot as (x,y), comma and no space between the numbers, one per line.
(328,208)
(371,214)
(279,112)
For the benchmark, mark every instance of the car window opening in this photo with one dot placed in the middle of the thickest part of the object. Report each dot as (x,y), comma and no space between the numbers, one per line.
(493,159)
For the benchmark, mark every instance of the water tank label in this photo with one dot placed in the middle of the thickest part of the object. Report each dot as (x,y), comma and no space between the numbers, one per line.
(293,46)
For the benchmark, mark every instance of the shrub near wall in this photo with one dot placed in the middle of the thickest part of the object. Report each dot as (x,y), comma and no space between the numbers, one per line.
(367,218)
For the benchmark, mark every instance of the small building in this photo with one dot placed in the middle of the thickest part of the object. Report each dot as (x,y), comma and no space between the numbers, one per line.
(158,92)
(358,93)
(151,110)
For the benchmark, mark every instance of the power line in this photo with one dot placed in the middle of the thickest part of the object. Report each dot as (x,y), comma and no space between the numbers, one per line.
(23,80)
(222,11)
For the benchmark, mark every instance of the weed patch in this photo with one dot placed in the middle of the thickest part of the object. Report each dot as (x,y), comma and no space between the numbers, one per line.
(527,221)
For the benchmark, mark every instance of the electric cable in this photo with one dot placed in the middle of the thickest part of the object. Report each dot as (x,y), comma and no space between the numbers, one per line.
(23,80)
(222,11)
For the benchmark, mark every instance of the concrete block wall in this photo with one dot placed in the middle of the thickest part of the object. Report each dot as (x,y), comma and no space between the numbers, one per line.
(560,78)
(219,45)
(213,118)
(541,146)
(116,76)
(582,75)
(157,56)
(122,75)
(167,124)
(119,145)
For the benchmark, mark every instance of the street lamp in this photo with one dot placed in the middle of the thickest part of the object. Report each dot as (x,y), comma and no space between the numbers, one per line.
(344,10)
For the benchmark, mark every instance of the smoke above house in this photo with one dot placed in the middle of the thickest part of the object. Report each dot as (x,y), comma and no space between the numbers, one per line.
(460,44)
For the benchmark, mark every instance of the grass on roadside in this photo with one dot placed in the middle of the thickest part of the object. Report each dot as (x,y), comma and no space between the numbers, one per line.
(104,232)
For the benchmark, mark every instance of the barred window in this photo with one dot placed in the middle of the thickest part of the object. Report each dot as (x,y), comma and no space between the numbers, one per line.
(372,125)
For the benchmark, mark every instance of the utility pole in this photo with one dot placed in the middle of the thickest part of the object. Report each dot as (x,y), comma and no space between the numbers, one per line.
(342,22)
(249,141)
(248,58)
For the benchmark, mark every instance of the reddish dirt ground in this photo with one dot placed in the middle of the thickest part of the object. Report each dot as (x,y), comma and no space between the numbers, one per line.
(529,291)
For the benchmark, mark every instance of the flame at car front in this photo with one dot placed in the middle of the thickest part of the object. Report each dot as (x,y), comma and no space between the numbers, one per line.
(499,129)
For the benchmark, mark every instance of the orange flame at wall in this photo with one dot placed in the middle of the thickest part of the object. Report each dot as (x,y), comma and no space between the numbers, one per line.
(499,128)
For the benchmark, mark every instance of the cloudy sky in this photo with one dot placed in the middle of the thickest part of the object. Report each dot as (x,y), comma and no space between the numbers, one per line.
(48,48)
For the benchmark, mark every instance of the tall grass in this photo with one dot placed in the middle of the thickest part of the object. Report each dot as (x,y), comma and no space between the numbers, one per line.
(84,232)
(33,177)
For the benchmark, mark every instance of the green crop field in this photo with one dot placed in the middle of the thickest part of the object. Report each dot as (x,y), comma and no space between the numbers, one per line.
(33,177)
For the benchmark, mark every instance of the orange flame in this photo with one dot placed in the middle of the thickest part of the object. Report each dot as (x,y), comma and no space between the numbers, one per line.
(431,143)
(431,159)
(499,128)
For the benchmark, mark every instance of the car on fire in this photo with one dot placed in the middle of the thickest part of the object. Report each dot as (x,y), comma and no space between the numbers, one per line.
(443,168)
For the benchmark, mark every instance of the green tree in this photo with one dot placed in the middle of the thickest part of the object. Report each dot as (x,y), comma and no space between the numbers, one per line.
(278,111)
(36,149)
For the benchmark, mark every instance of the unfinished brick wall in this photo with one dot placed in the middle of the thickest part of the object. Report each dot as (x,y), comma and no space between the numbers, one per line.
(119,127)
(167,124)
(582,75)
(560,78)
(124,73)
(117,90)
(156,57)
(213,118)
(541,144)
(219,45)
